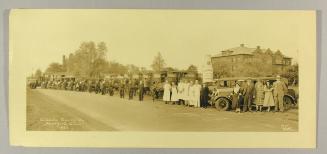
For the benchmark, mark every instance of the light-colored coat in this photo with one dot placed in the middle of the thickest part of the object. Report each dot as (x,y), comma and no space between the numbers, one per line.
(279,88)
(186,92)
(166,96)
(174,94)
(259,94)
(269,98)
(180,90)
(196,95)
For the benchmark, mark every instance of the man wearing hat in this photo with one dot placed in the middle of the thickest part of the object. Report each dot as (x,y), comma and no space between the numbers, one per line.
(248,94)
(279,91)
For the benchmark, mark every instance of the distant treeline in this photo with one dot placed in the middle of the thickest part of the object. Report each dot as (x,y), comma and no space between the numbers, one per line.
(90,60)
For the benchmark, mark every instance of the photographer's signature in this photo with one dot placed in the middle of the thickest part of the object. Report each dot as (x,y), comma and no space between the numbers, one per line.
(286,127)
(62,123)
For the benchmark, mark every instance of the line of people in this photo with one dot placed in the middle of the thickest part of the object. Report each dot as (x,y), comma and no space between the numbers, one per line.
(131,87)
(263,94)
(186,93)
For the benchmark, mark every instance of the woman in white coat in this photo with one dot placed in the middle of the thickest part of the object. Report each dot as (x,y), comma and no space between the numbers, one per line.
(185,93)
(166,96)
(180,91)
(191,93)
(174,94)
(196,94)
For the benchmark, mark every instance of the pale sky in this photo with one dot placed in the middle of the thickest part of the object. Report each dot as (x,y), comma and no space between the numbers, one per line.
(136,36)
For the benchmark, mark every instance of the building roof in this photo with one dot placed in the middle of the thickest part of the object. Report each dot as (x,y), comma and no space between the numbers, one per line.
(236,51)
(243,50)
(56,73)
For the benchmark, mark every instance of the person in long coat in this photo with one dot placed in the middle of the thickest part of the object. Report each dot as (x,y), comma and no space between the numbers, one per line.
(130,90)
(204,96)
(248,94)
(196,94)
(97,87)
(268,98)
(141,90)
(235,98)
(101,89)
(105,87)
(279,91)
(180,91)
(174,94)
(166,96)
(186,92)
(191,94)
(122,89)
(259,95)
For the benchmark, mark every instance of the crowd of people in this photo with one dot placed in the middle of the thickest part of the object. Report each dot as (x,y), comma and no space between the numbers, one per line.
(98,86)
(263,94)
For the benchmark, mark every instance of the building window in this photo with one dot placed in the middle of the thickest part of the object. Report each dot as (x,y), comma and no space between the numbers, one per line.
(233,68)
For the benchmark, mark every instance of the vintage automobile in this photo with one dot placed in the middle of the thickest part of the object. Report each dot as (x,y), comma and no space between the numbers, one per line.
(224,86)
(32,83)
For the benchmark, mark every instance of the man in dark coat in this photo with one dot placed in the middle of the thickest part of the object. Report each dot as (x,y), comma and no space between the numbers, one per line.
(105,87)
(122,89)
(136,84)
(141,91)
(97,87)
(111,88)
(248,94)
(204,96)
(130,90)
(101,89)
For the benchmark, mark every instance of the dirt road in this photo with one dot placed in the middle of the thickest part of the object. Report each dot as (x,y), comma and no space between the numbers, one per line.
(67,110)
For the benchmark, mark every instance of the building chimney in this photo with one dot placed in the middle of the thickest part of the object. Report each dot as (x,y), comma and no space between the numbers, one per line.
(242,45)
(64,63)
(63,60)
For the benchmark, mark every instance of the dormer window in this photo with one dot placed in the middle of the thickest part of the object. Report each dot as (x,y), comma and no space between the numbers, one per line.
(227,52)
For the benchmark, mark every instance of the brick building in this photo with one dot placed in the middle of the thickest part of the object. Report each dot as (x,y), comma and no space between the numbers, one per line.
(244,61)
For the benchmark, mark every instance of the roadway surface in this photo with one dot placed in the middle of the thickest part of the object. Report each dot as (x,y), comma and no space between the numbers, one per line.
(49,109)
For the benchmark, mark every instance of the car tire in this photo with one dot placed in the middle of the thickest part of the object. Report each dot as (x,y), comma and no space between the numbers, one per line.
(288,102)
(222,104)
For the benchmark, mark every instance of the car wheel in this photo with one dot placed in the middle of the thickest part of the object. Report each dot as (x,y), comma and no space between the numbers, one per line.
(288,102)
(222,104)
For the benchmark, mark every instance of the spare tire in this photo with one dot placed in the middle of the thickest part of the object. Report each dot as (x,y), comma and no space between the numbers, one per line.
(222,104)
(288,102)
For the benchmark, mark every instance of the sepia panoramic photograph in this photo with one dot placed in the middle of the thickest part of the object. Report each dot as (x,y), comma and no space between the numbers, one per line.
(161,70)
